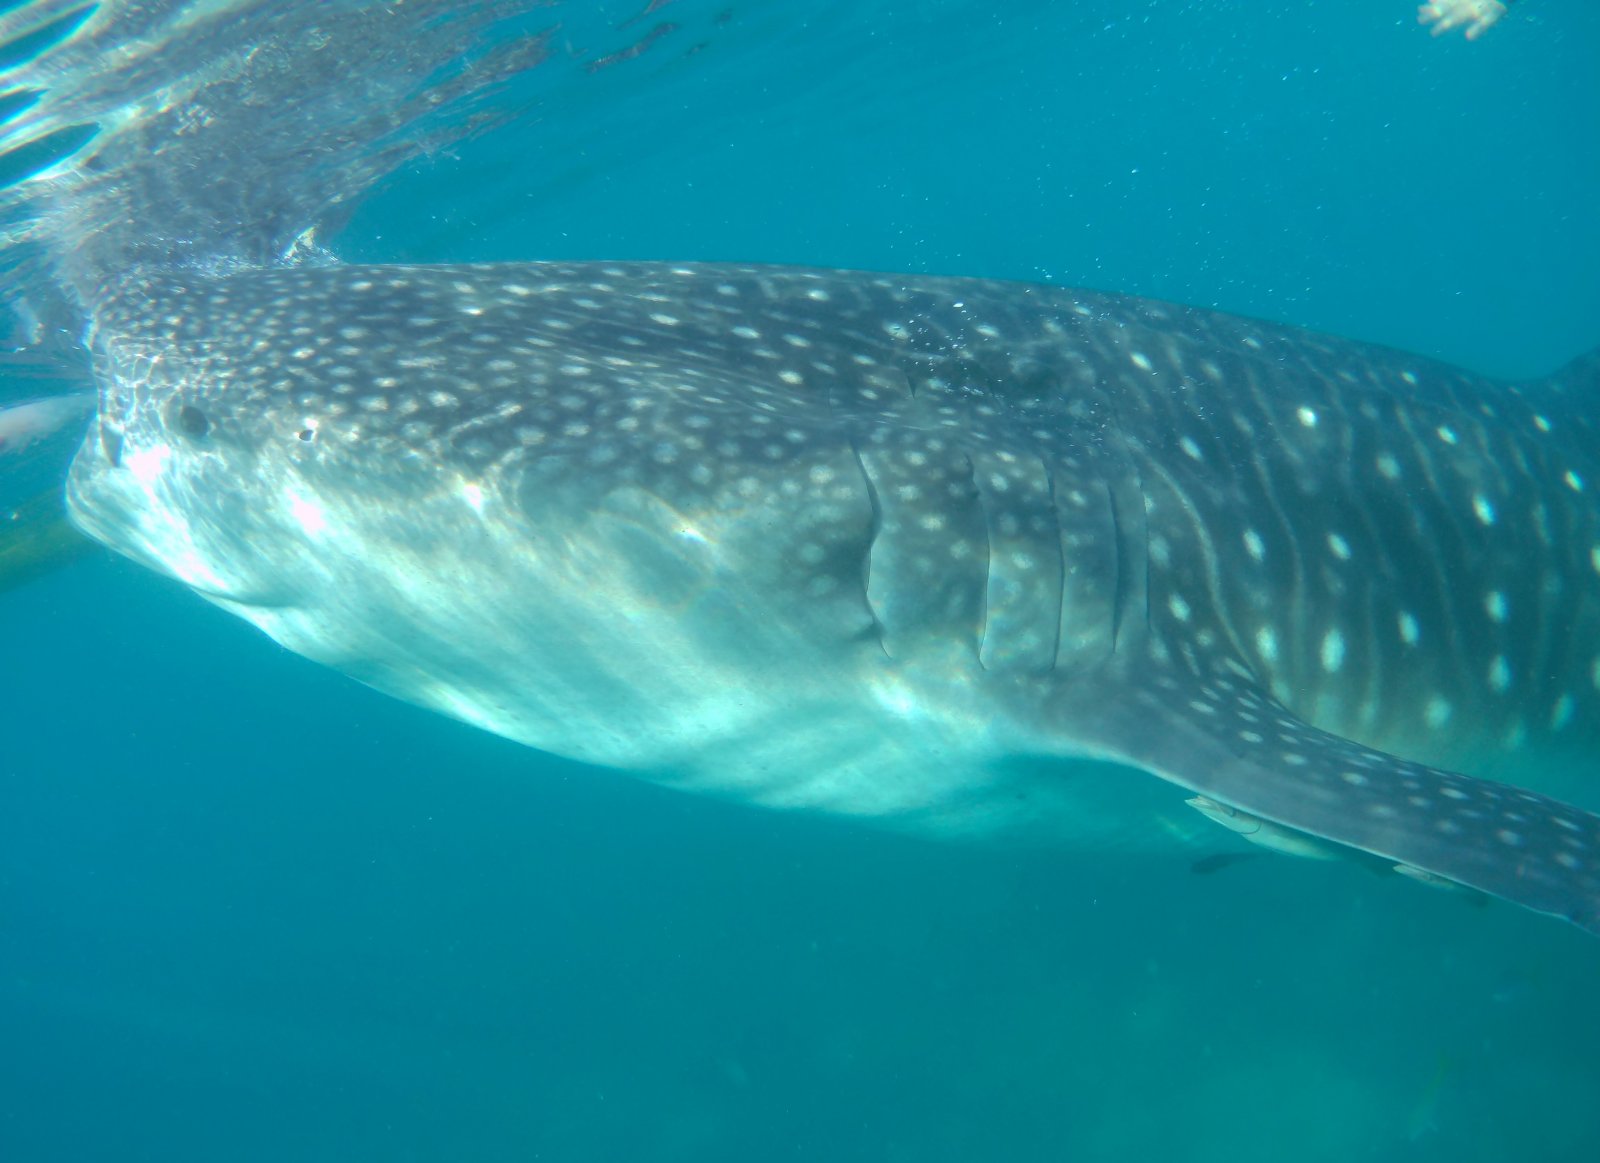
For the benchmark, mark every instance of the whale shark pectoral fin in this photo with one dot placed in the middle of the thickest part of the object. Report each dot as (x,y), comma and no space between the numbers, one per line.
(1263,772)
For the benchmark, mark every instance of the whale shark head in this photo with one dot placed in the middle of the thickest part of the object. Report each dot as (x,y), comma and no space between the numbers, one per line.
(922,550)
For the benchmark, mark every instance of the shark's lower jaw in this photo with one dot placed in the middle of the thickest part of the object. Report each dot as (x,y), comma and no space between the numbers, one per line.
(919,549)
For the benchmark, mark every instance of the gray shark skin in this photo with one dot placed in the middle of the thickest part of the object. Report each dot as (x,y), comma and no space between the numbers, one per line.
(925,550)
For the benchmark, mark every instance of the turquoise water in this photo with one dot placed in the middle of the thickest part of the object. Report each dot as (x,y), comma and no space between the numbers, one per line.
(249,910)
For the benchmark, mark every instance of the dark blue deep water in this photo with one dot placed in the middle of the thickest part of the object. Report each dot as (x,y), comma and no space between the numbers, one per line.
(251,911)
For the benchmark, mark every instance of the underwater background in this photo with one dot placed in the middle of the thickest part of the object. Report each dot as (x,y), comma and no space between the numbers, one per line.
(250,910)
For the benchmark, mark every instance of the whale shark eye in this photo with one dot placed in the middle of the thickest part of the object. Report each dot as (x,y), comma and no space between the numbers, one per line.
(192,422)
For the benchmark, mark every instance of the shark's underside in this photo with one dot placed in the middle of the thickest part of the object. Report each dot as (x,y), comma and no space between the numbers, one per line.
(913,548)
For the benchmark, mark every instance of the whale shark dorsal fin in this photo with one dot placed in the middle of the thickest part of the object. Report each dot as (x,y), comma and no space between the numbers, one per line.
(1263,772)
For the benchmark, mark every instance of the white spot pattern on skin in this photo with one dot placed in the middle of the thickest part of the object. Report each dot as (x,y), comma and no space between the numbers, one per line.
(1267,643)
(1561,713)
(1388,467)
(1594,558)
(1574,481)
(1179,607)
(1447,434)
(1339,547)
(1307,417)
(1410,631)
(1541,423)
(1495,605)
(1142,361)
(1437,713)
(1332,651)
(1258,548)
(1482,506)
(1190,448)
(1499,674)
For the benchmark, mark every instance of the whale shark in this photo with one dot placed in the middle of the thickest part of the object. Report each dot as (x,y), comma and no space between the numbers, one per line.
(948,554)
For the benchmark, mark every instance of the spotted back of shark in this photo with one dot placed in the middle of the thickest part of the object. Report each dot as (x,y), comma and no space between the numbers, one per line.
(920,549)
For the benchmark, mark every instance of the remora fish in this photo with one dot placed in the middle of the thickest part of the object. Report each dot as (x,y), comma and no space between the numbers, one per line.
(30,421)
(920,549)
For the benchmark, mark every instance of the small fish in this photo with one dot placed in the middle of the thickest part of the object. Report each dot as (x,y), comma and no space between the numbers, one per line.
(33,420)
